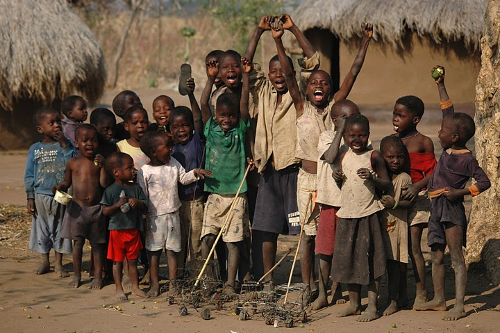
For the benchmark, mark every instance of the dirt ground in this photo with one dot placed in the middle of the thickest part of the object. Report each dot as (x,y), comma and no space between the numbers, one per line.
(31,303)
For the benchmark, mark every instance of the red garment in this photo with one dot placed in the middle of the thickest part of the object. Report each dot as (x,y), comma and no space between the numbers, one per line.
(327,226)
(124,243)
(421,165)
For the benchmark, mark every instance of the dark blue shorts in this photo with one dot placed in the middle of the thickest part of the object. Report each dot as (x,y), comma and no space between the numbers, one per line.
(276,208)
(445,213)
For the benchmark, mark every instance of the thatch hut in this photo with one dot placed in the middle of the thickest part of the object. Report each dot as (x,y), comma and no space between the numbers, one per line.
(46,53)
(410,37)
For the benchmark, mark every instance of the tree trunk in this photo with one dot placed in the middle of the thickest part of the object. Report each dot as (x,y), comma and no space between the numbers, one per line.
(483,236)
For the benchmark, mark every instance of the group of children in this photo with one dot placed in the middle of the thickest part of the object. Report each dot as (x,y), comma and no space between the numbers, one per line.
(183,180)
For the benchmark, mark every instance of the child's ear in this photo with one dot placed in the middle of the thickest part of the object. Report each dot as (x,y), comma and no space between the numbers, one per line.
(39,129)
(125,125)
(70,114)
(455,138)
(416,120)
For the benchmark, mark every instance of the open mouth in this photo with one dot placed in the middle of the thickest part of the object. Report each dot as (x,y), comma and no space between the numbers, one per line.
(232,79)
(318,95)
(280,84)
(395,128)
(163,120)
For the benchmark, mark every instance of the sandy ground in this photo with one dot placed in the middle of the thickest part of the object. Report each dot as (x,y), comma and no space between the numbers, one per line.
(31,303)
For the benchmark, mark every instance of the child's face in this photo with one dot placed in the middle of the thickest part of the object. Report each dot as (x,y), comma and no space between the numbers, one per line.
(230,71)
(181,129)
(137,124)
(87,142)
(226,117)
(218,82)
(50,125)
(319,89)
(127,171)
(356,137)
(129,101)
(277,77)
(163,149)
(161,111)
(106,128)
(447,135)
(79,111)
(403,120)
(394,158)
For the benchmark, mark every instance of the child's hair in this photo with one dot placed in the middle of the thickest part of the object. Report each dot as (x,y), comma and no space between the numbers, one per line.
(231,53)
(128,114)
(464,126)
(182,111)
(42,113)
(414,104)
(115,160)
(277,58)
(84,127)
(391,141)
(149,141)
(170,101)
(69,103)
(232,101)
(101,114)
(120,100)
(357,119)
(214,54)
(344,106)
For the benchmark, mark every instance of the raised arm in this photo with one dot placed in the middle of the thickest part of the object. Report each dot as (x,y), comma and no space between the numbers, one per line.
(382,181)
(213,69)
(438,74)
(246,66)
(264,24)
(331,153)
(293,88)
(351,76)
(195,108)
(304,43)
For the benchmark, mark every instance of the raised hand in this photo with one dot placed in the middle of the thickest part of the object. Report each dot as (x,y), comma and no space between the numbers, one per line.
(212,68)
(367,30)
(246,65)
(438,74)
(265,22)
(286,20)
(340,121)
(190,85)
(99,161)
(277,29)
(59,137)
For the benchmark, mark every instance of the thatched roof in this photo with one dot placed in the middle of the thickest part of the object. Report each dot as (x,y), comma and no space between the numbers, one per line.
(46,53)
(439,20)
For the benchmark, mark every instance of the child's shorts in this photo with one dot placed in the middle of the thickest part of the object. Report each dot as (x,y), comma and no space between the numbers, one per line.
(420,211)
(46,225)
(327,226)
(125,243)
(216,210)
(445,213)
(84,222)
(306,200)
(163,231)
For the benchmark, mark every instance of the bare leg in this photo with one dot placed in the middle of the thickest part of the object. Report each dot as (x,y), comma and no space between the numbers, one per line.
(418,264)
(154,267)
(269,243)
(117,275)
(98,255)
(324,272)
(354,301)
(438,303)
(206,245)
(233,260)
(77,262)
(337,294)
(394,278)
(45,265)
(307,260)
(172,271)
(454,238)
(371,311)
(126,276)
(58,266)
(134,278)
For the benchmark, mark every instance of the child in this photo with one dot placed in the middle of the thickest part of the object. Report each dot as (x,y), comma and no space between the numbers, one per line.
(448,223)
(121,103)
(329,198)
(395,222)
(136,124)
(162,107)
(125,212)
(313,117)
(105,123)
(359,255)
(83,218)
(408,112)
(225,157)
(158,179)
(74,109)
(214,56)
(45,168)
(189,152)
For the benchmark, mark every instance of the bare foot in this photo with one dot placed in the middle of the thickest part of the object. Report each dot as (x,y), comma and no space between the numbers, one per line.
(352,310)
(455,314)
(337,297)
(75,281)
(126,284)
(392,308)
(154,291)
(96,284)
(43,268)
(146,279)
(368,315)
(320,302)
(434,305)
(138,292)
(60,271)
(420,299)
(120,295)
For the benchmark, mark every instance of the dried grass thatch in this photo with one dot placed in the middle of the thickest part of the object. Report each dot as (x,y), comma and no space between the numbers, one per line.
(439,20)
(46,53)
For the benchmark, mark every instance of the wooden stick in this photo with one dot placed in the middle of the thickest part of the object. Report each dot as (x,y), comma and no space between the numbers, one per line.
(275,265)
(222,229)
(298,248)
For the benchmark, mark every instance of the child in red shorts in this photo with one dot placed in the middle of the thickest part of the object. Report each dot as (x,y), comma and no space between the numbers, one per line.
(124,202)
